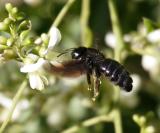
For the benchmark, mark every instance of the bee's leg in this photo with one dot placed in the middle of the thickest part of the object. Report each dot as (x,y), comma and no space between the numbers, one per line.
(89,81)
(97,82)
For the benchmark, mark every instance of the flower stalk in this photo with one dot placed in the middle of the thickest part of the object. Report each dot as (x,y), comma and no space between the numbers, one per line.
(62,13)
(86,35)
(118,49)
(89,122)
(116,30)
(15,101)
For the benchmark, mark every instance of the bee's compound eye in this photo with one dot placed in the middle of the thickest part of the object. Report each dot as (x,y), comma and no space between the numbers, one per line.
(75,55)
(78,53)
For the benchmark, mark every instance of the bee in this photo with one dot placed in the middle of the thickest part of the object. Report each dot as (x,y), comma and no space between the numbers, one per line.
(93,63)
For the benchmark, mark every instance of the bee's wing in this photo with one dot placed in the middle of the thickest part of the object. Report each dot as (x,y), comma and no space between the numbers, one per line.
(68,69)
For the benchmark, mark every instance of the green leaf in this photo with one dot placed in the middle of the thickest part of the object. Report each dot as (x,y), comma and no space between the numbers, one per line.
(150,25)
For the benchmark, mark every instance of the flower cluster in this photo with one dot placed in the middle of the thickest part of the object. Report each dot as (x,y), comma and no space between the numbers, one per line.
(148,123)
(17,44)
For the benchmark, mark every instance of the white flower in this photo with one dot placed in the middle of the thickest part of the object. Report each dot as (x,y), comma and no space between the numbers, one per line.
(36,80)
(154,36)
(110,40)
(55,37)
(132,97)
(33,67)
(57,116)
(127,38)
(150,63)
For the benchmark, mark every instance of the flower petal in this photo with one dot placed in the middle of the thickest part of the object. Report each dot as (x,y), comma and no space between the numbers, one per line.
(33,67)
(55,37)
(154,36)
(149,62)
(35,81)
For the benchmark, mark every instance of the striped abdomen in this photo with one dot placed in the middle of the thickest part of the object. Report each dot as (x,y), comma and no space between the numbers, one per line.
(116,73)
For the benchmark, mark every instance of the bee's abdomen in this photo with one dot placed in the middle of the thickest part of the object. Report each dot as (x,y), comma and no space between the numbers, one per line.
(116,73)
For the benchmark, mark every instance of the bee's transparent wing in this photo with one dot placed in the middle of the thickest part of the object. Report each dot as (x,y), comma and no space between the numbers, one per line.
(68,69)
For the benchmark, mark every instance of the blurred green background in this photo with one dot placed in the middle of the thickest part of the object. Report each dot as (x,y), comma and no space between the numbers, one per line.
(66,102)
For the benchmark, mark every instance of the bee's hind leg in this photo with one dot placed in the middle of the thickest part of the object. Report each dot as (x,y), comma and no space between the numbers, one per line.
(97,82)
(89,82)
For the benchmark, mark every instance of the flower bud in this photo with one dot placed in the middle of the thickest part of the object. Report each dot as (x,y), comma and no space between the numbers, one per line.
(14,10)
(45,38)
(42,51)
(3,40)
(142,120)
(9,54)
(150,129)
(38,41)
(10,41)
(9,7)
(3,26)
(7,21)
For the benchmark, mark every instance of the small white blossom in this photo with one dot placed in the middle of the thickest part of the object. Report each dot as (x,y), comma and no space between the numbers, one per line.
(57,116)
(127,38)
(5,101)
(149,63)
(154,36)
(132,97)
(38,41)
(110,40)
(76,108)
(55,37)
(35,79)
(136,82)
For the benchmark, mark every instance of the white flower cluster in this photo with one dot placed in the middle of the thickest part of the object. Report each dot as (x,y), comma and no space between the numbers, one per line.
(34,64)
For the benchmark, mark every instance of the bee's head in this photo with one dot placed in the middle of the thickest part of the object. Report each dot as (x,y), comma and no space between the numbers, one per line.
(77,53)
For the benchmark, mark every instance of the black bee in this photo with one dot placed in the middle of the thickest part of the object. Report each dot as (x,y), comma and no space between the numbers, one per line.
(91,62)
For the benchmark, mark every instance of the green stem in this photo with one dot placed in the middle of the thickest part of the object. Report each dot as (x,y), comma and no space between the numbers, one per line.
(89,122)
(117,121)
(86,35)
(116,29)
(15,101)
(119,47)
(62,13)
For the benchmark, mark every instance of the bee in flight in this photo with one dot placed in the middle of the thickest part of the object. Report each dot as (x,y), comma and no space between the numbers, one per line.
(93,63)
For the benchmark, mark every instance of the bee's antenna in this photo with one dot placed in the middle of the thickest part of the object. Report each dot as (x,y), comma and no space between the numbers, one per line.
(62,54)
(66,51)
